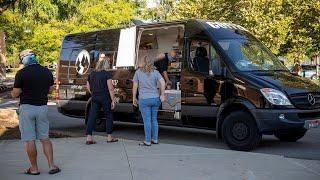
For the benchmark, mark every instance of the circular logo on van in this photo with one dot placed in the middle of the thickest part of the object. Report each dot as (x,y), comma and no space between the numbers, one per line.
(311,99)
(83,62)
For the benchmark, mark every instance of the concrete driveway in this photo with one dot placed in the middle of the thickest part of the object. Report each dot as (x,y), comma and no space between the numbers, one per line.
(126,160)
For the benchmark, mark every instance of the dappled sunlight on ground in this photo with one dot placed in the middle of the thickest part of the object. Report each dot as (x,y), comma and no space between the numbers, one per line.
(9,124)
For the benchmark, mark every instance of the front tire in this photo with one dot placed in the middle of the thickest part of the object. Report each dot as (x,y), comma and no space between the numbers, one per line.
(240,131)
(290,135)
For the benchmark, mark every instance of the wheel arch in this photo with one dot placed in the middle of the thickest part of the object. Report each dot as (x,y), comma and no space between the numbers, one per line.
(229,106)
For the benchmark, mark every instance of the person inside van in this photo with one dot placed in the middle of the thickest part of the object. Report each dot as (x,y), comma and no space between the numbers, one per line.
(162,63)
(201,60)
(146,79)
(100,86)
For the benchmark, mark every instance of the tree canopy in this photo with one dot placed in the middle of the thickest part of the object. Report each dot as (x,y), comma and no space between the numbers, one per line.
(41,24)
(290,28)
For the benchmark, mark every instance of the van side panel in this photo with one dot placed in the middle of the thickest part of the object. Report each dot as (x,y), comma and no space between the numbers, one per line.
(72,92)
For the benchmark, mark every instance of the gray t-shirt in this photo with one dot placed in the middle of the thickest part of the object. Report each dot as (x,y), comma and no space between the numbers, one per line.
(147,83)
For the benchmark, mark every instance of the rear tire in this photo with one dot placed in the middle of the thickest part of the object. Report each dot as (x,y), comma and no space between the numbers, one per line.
(240,131)
(100,124)
(290,135)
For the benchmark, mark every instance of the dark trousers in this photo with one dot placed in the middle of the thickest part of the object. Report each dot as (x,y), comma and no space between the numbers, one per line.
(96,104)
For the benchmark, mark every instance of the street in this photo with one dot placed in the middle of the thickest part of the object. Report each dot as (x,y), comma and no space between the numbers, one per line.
(183,153)
(306,148)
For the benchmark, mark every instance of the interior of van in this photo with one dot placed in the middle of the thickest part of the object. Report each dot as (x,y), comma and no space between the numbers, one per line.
(159,43)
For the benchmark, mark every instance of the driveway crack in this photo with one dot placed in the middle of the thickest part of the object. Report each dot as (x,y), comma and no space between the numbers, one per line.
(129,164)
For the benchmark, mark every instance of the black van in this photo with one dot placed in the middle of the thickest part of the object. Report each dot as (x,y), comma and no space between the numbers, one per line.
(224,79)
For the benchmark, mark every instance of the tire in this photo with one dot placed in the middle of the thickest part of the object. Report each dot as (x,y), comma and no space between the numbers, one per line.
(240,131)
(100,125)
(313,77)
(290,135)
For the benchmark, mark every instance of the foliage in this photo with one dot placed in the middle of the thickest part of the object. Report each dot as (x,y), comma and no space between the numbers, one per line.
(288,27)
(41,24)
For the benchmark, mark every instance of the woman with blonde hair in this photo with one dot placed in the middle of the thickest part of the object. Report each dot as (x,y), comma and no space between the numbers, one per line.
(145,80)
(100,86)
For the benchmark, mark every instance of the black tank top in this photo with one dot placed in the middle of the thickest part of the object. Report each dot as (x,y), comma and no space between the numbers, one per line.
(98,83)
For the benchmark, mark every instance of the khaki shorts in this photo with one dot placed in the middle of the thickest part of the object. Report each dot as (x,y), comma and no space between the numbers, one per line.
(33,122)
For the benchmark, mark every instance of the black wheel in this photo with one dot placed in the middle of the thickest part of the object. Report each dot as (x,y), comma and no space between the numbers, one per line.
(100,125)
(240,131)
(290,135)
(313,77)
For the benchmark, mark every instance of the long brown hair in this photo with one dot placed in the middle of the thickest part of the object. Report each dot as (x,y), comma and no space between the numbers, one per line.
(147,65)
(103,64)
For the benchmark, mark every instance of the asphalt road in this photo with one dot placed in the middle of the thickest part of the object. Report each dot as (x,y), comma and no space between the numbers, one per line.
(306,148)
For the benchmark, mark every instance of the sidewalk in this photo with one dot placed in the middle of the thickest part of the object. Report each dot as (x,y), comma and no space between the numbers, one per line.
(125,160)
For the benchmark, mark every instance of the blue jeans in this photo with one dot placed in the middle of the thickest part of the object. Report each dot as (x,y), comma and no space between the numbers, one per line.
(149,111)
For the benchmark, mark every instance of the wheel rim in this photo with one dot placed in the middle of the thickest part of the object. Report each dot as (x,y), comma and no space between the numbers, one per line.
(240,131)
(98,121)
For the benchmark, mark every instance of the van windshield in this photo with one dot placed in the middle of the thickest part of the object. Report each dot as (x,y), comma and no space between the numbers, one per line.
(251,55)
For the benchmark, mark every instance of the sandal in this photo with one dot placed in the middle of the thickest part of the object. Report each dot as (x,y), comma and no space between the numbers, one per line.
(55,170)
(90,142)
(113,140)
(29,172)
(144,144)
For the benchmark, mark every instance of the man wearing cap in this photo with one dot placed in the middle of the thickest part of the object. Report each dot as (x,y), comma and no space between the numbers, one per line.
(162,63)
(32,84)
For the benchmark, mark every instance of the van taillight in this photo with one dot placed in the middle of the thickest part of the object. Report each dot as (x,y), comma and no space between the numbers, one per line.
(57,90)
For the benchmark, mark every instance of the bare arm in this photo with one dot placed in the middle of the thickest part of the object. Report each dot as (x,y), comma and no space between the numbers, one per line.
(111,89)
(88,87)
(165,76)
(162,86)
(134,93)
(16,92)
(162,90)
(111,92)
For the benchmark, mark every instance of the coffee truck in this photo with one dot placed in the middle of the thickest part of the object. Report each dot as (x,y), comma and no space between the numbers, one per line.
(223,79)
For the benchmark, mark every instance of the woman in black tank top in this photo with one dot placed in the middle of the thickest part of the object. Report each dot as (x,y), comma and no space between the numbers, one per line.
(100,86)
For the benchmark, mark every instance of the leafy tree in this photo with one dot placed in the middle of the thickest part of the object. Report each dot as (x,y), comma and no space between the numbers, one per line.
(288,27)
(41,24)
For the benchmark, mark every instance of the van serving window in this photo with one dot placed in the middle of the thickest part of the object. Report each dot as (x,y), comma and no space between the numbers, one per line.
(127,47)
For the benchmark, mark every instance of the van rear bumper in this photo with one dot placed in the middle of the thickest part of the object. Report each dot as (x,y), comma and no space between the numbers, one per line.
(72,108)
(269,120)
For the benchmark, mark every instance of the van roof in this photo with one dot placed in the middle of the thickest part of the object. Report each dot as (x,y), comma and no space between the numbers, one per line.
(217,28)
(200,22)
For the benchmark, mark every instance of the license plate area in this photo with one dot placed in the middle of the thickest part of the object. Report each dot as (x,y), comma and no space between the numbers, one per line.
(308,124)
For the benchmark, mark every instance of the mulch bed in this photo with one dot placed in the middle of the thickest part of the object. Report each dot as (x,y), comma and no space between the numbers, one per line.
(9,126)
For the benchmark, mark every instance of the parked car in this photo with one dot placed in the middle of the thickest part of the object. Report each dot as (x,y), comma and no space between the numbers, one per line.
(309,71)
(242,90)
